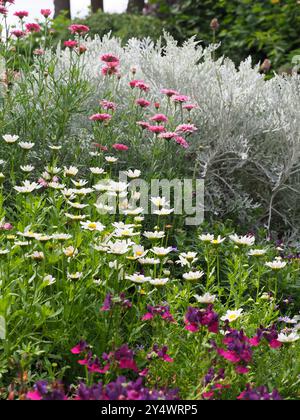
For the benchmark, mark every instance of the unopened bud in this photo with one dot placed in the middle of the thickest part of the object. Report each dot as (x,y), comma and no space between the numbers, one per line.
(266,65)
(214,24)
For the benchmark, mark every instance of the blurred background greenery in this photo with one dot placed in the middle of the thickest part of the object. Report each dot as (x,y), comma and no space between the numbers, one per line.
(262,28)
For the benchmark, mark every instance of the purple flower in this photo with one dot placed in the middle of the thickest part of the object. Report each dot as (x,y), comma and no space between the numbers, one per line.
(195,318)
(259,394)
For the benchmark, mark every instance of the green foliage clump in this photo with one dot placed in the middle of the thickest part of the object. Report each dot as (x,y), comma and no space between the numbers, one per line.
(261,28)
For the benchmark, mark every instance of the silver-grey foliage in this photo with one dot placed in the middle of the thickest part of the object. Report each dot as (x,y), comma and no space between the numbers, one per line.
(248,144)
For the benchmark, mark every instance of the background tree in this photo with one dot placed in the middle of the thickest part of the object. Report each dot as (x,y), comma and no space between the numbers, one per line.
(135,6)
(96,5)
(62,5)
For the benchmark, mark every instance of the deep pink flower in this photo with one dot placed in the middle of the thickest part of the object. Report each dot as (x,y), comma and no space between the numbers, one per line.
(168,135)
(34,395)
(21,14)
(107,105)
(3,10)
(157,105)
(120,147)
(169,92)
(242,370)
(182,142)
(156,129)
(159,118)
(180,98)
(143,103)
(79,29)
(140,84)
(109,70)
(190,107)
(110,59)
(46,12)
(143,124)
(195,318)
(162,311)
(100,117)
(18,33)
(186,128)
(70,44)
(81,347)
(161,353)
(33,27)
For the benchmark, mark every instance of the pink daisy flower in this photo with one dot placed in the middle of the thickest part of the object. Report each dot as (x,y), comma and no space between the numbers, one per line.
(100,117)
(159,118)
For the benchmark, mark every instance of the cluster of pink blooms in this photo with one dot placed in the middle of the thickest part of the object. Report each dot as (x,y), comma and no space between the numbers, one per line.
(112,63)
(123,358)
(119,390)
(162,311)
(3,8)
(196,318)
(76,29)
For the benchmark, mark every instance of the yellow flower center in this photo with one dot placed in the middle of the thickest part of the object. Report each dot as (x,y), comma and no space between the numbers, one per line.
(92,225)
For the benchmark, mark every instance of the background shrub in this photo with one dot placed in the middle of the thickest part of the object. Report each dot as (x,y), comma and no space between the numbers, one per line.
(124,26)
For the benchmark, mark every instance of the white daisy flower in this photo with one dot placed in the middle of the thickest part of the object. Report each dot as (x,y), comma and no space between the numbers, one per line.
(232,315)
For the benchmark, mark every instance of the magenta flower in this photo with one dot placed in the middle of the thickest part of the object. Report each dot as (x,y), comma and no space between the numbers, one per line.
(107,105)
(269,334)
(46,13)
(120,147)
(182,142)
(125,358)
(238,350)
(259,394)
(169,92)
(21,14)
(110,59)
(81,347)
(190,107)
(139,84)
(169,135)
(143,124)
(33,27)
(180,98)
(160,353)
(100,117)
(186,128)
(195,318)
(71,44)
(3,10)
(159,310)
(156,129)
(109,70)
(79,29)
(143,103)
(18,33)
(159,118)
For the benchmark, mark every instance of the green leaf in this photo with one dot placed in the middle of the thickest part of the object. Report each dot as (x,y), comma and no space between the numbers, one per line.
(2,328)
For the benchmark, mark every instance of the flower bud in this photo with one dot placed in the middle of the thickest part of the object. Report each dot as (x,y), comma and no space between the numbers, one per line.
(214,24)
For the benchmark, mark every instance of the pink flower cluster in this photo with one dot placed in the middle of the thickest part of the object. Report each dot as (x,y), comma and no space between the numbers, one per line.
(79,29)
(112,63)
